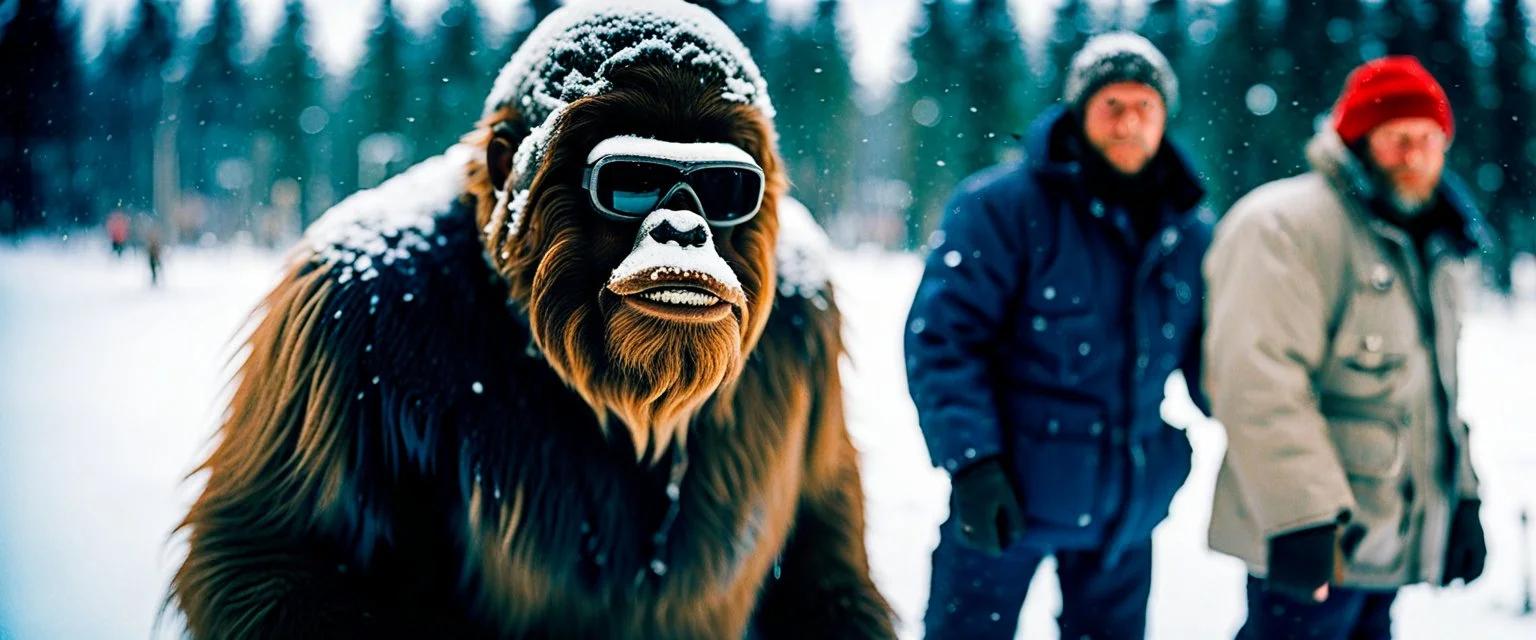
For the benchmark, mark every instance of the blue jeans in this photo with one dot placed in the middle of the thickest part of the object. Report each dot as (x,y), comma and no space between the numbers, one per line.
(975,596)
(1347,614)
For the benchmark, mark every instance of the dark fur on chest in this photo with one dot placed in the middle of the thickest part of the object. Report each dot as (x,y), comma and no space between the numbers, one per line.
(462,426)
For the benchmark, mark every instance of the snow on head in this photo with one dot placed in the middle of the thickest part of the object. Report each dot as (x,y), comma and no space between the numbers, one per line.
(1121,54)
(679,151)
(656,258)
(802,251)
(376,227)
(571,54)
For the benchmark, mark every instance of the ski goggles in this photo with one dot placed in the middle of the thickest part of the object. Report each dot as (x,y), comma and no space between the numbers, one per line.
(627,178)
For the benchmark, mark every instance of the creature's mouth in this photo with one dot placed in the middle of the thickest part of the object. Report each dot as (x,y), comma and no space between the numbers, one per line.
(681,296)
(672,294)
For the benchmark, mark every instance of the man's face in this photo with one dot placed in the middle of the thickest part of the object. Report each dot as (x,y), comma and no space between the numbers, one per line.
(1124,121)
(1410,154)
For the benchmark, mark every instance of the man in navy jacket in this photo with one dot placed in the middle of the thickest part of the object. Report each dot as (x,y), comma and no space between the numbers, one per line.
(1060,294)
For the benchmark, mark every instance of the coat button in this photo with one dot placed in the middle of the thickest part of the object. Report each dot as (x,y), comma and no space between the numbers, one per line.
(1170,238)
(1381,277)
(1373,343)
(1096,207)
(1084,520)
(1049,293)
(1053,427)
(1096,428)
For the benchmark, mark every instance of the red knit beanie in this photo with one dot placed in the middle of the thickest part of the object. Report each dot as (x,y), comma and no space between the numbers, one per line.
(1385,89)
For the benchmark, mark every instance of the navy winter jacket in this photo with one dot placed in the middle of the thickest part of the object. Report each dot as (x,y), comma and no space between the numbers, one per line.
(1044,331)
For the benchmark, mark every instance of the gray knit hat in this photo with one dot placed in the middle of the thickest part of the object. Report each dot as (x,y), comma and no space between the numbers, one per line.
(1119,56)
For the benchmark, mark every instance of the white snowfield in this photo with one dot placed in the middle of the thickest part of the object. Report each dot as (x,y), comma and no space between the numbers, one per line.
(109,392)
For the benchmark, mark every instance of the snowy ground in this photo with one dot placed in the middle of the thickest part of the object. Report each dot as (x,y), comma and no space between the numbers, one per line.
(108,392)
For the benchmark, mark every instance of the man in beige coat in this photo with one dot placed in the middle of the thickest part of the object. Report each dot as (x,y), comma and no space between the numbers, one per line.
(1330,358)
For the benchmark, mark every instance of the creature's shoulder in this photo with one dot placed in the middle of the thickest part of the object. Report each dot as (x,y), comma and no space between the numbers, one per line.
(383,231)
(407,268)
(805,313)
(803,255)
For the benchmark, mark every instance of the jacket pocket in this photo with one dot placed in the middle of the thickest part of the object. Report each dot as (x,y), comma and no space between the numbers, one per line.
(1373,453)
(1374,340)
(1368,371)
(1058,464)
(1369,449)
(1054,332)
(1059,481)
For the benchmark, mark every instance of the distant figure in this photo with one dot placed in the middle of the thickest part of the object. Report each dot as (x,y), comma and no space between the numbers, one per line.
(117,230)
(153,247)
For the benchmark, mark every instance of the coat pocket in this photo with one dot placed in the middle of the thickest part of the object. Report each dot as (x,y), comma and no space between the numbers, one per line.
(1058,463)
(1059,481)
(1366,372)
(1055,329)
(1373,453)
(1377,335)
(1369,449)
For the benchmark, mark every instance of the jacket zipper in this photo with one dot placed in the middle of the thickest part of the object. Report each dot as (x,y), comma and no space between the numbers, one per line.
(1167,239)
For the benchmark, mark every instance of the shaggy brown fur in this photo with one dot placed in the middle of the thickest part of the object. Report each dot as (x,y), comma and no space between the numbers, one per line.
(484,441)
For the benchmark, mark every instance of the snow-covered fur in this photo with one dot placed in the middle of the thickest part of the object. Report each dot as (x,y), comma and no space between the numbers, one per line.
(448,425)
(1120,56)
(573,53)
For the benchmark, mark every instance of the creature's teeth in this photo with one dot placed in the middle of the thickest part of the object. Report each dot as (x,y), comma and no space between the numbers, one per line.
(683,297)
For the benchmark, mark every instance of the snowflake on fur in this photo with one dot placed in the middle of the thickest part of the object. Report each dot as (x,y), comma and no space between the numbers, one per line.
(377,227)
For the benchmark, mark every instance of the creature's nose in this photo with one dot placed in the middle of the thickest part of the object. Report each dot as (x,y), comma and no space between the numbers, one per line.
(666,232)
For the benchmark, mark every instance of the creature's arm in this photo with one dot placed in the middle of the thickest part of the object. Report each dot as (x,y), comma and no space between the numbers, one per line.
(284,496)
(823,588)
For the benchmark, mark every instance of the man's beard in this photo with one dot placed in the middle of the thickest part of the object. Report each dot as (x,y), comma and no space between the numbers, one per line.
(1389,194)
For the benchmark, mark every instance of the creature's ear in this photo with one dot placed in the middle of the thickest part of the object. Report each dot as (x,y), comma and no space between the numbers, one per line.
(498,154)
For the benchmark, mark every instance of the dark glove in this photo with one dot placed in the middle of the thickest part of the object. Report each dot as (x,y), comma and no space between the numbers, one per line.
(986,507)
(1466,551)
(1302,561)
